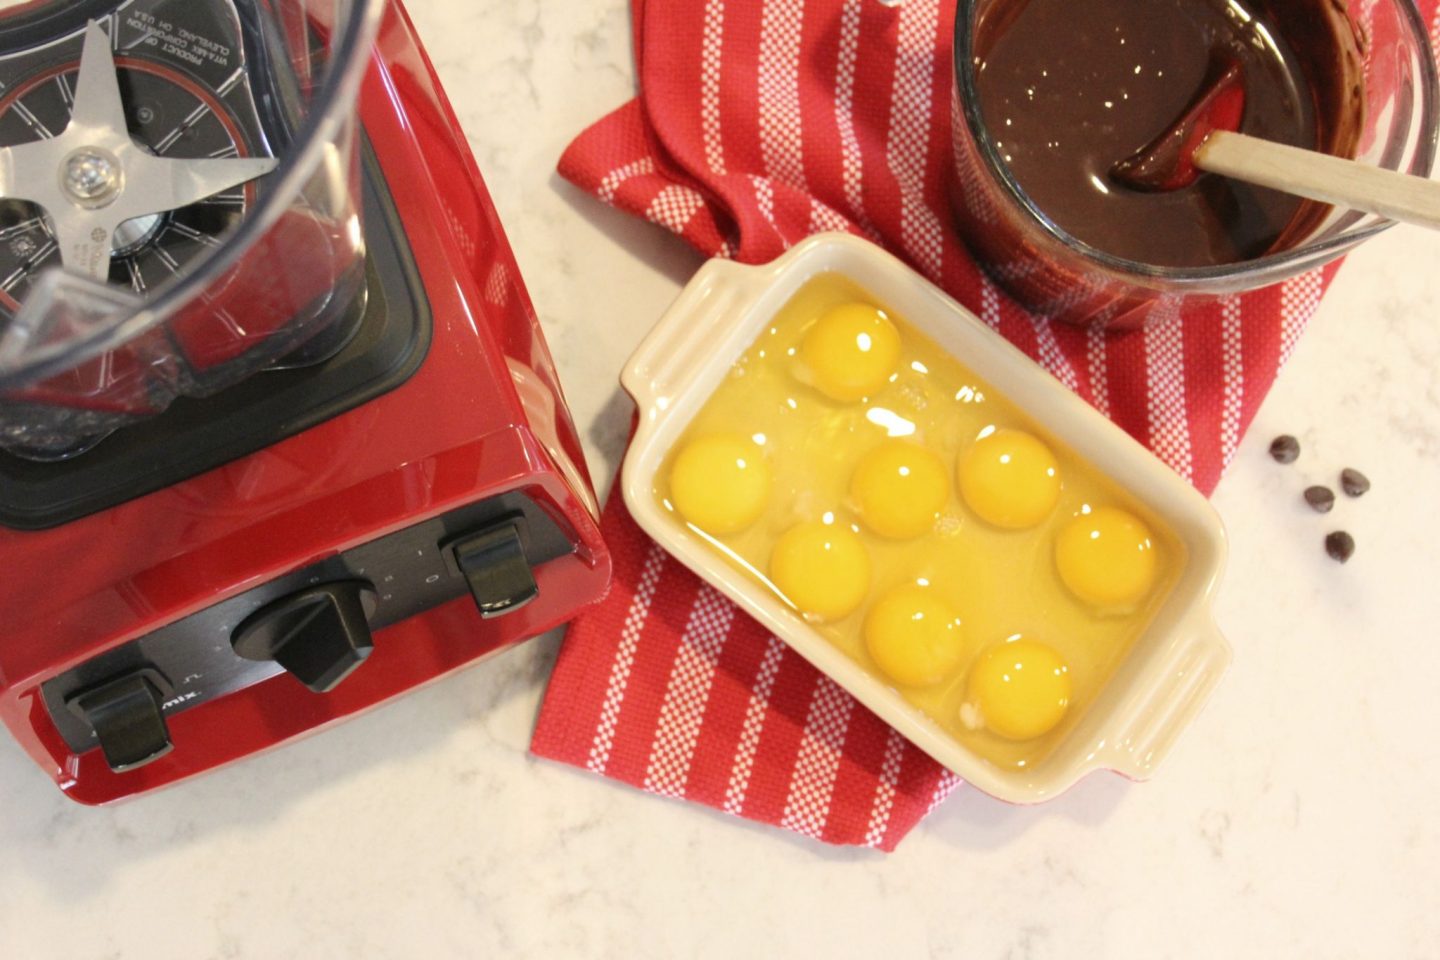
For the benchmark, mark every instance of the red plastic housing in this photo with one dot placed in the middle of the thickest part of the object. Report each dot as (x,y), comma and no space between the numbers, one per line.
(483,415)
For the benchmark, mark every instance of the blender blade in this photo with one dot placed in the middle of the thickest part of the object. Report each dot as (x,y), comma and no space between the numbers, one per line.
(92,177)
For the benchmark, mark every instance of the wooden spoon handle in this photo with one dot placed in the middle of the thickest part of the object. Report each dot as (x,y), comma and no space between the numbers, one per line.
(1319,176)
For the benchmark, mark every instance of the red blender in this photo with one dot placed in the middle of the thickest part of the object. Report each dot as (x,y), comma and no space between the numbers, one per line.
(280,437)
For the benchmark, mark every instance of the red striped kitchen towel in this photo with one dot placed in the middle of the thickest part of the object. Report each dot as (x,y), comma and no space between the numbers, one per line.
(759,122)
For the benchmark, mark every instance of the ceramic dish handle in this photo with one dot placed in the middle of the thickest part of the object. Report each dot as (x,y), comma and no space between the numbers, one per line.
(1142,742)
(685,337)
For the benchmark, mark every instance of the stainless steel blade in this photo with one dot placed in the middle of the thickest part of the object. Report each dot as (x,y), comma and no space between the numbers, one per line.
(156,184)
(98,111)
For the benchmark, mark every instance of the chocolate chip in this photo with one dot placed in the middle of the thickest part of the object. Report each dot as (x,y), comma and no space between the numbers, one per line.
(1321,498)
(1285,448)
(1340,545)
(1353,482)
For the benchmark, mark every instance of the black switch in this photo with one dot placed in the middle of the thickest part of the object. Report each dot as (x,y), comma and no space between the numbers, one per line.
(319,635)
(125,714)
(494,565)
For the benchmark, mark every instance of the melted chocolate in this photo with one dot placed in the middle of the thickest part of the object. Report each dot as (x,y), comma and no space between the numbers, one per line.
(1070,87)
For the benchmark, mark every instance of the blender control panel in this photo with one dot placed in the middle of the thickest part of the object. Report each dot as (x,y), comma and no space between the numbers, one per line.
(315,623)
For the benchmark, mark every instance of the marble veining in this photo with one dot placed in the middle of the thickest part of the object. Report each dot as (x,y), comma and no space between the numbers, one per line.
(1294,818)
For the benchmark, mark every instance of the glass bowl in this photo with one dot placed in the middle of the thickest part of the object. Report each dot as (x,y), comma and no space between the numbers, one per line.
(1055,274)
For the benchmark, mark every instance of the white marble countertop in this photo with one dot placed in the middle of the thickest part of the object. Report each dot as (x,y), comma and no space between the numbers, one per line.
(1293,819)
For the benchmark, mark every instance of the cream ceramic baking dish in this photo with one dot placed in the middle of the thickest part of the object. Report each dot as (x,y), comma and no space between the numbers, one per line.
(1172,666)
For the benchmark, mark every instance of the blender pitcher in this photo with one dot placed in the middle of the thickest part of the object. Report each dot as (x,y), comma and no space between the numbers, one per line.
(178,204)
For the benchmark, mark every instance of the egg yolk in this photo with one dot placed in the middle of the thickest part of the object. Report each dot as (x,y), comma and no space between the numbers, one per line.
(1020,689)
(720,483)
(914,636)
(822,569)
(1106,558)
(850,352)
(1009,479)
(899,489)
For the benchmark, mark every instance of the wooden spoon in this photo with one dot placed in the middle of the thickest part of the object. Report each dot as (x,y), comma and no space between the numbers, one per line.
(1205,139)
